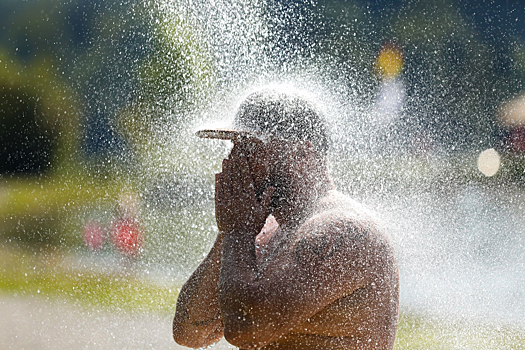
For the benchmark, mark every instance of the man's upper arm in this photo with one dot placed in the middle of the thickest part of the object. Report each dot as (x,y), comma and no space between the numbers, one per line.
(327,261)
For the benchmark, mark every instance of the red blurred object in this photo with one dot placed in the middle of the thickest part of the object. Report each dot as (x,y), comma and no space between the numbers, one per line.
(127,236)
(94,235)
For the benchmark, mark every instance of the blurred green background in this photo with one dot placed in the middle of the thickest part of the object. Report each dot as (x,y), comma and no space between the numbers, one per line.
(91,90)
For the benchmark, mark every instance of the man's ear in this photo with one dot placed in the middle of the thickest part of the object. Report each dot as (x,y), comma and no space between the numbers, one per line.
(304,144)
(308,144)
(306,149)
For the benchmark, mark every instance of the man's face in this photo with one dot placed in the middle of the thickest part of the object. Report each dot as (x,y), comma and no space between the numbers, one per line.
(263,160)
(289,167)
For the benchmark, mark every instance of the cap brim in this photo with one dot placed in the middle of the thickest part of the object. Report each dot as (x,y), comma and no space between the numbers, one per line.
(223,134)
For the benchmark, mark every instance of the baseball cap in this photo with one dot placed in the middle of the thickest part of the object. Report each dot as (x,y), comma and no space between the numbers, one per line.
(271,113)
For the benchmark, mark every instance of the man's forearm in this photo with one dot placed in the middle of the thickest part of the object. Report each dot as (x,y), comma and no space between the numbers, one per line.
(239,260)
(243,296)
(238,272)
(197,321)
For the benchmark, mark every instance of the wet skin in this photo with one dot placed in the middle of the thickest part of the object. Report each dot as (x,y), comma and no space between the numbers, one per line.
(321,276)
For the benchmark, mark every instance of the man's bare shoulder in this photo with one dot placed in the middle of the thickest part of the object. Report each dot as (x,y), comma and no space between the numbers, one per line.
(337,209)
(337,202)
(340,226)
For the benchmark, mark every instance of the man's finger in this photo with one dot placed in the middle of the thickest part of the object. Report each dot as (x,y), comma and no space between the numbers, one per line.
(235,176)
(247,177)
(218,185)
(266,197)
(236,151)
(219,188)
(225,182)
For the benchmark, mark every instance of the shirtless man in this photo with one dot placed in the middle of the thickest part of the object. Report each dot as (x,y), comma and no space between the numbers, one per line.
(295,265)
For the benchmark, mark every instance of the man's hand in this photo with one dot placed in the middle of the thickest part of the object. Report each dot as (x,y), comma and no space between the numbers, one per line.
(237,208)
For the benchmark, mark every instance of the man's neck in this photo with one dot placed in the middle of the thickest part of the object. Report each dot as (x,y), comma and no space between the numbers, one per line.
(290,219)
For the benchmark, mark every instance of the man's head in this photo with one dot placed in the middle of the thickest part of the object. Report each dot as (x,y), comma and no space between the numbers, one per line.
(296,171)
(275,114)
(285,139)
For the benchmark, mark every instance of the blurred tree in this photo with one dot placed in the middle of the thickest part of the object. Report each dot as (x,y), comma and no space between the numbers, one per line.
(348,38)
(27,144)
(459,62)
(100,59)
(39,43)
(174,79)
(178,73)
(453,84)
(39,119)
(114,38)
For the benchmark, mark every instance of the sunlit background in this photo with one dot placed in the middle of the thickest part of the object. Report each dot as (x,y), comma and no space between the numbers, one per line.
(106,197)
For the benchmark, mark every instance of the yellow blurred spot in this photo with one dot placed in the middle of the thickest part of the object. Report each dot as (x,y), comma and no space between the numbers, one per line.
(489,162)
(389,61)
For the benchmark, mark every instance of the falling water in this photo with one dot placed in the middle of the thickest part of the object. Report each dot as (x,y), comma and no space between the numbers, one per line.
(459,243)
(459,235)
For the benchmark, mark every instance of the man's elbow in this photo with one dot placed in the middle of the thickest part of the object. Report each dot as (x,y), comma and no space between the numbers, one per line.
(241,340)
(247,324)
(245,335)
(191,338)
(181,336)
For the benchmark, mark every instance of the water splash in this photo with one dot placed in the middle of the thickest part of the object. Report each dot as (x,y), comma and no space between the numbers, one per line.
(458,234)
(448,235)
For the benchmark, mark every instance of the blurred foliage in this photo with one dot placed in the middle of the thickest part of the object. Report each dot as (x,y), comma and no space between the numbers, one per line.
(115,59)
(456,76)
(76,59)
(176,77)
(452,79)
(180,69)
(67,68)
(38,113)
(514,168)
(45,212)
